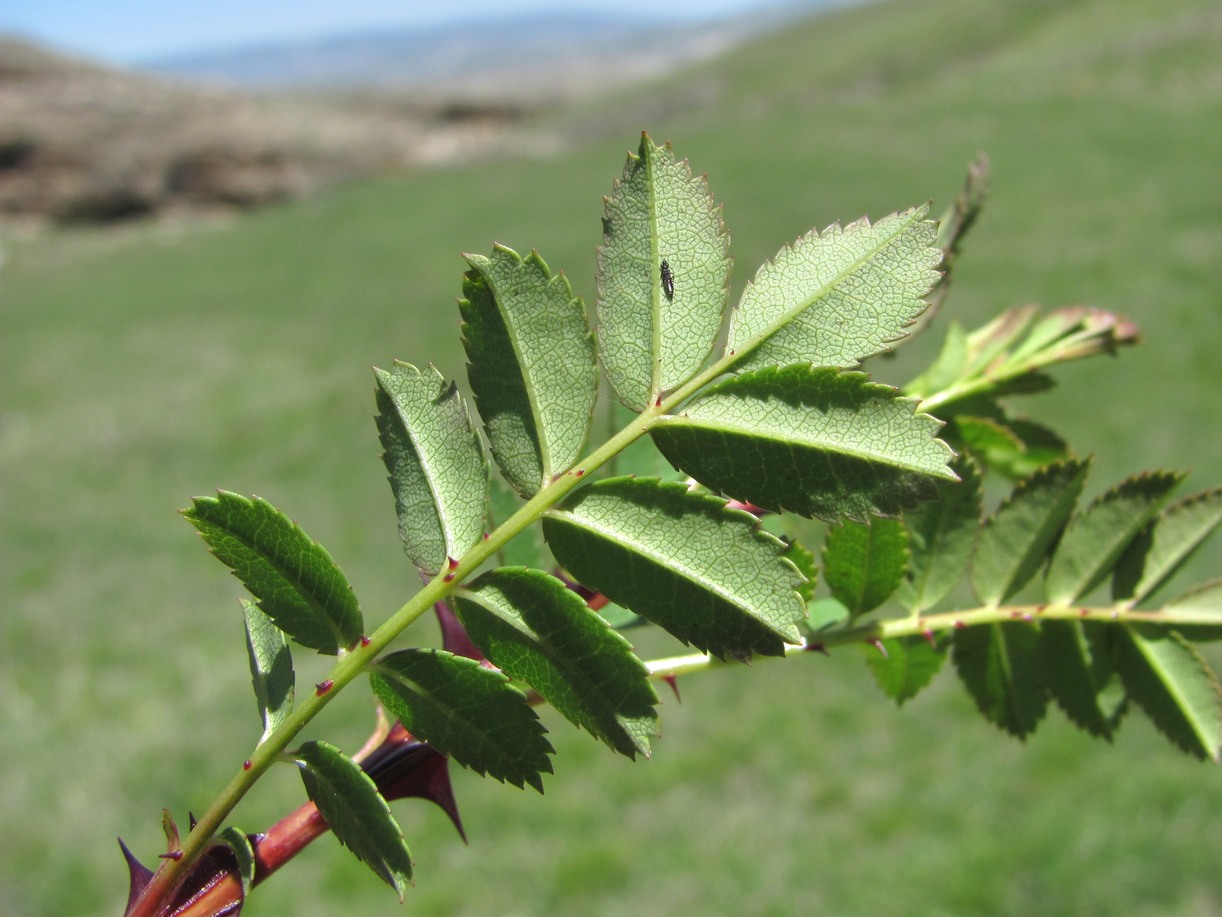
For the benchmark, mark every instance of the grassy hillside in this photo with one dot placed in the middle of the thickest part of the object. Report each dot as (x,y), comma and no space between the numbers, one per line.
(143,367)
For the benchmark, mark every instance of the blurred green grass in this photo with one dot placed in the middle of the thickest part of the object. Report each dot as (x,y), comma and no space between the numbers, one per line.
(143,366)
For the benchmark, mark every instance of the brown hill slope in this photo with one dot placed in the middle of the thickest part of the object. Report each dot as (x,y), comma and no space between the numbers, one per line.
(83,142)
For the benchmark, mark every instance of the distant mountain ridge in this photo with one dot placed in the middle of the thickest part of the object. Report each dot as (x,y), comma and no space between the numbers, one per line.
(83,142)
(567,52)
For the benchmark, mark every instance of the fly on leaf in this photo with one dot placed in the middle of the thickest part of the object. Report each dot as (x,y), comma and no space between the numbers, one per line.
(668,281)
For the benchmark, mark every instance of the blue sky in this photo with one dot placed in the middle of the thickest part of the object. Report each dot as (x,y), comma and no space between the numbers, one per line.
(126,31)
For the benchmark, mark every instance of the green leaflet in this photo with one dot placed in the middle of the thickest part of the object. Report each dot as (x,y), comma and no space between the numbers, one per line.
(650,341)
(955,223)
(243,855)
(1174,685)
(1014,447)
(535,629)
(1001,666)
(704,572)
(836,297)
(818,442)
(863,564)
(1016,539)
(1080,670)
(1155,555)
(1203,603)
(1094,539)
(903,667)
(465,711)
(271,668)
(295,580)
(941,534)
(438,470)
(531,365)
(356,812)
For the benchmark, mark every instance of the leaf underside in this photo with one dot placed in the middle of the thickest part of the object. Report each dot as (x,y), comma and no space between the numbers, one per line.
(817,442)
(271,668)
(531,365)
(837,297)
(703,572)
(437,468)
(649,340)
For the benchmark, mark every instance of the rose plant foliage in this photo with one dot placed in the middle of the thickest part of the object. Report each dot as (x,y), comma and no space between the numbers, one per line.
(757,413)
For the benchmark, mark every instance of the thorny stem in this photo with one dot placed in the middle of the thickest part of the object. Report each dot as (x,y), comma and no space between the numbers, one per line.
(355,660)
(294,832)
(932,625)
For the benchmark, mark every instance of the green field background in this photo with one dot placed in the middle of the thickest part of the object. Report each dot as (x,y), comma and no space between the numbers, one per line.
(144,365)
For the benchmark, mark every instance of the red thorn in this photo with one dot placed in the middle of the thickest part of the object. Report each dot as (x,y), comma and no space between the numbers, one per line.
(673,681)
(959,625)
(817,648)
(658,403)
(878,645)
(1084,612)
(138,875)
(174,855)
(579,472)
(485,536)
(448,578)
(451,563)
(247,764)
(1016,614)
(930,638)
(365,641)
(323,687)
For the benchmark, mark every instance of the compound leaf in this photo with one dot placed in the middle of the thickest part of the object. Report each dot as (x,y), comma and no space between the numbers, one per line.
(535,629)
(685,561)
(271,668)
(295,580)
(656,328)
(354,809)
(466,711)
(438,470)
(1095,538)
(1174,685)
(836,297)
(818,442)
(531,365)
(1001,666)
(863,564)
(1016,539)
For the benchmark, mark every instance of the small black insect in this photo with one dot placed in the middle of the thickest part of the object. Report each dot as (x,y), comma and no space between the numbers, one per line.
(668,281)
